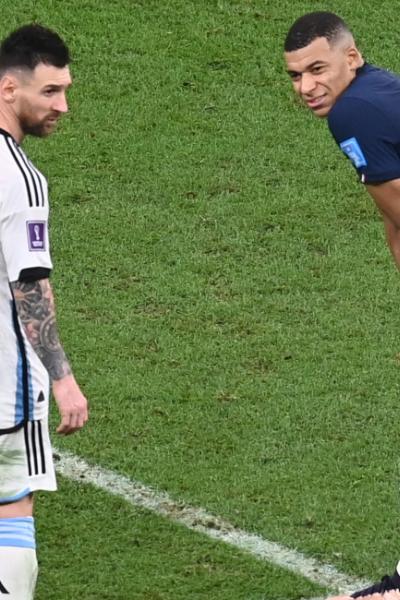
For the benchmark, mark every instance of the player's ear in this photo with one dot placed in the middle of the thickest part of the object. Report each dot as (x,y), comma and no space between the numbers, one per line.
(8,88)
(354,58)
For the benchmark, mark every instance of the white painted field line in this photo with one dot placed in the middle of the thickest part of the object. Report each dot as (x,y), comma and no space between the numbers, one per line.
(199,520)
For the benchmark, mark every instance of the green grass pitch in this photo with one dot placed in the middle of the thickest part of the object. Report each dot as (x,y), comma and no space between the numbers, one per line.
(226,298)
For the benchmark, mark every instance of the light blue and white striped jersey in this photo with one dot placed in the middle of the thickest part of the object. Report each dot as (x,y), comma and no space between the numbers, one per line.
(24,246)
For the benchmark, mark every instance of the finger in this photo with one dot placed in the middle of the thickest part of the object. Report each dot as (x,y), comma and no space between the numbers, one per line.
(79,419)
(83,417)
(64,425)
(71,423)
(67,424)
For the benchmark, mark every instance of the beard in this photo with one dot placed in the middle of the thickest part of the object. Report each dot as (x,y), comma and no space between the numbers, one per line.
(38,128)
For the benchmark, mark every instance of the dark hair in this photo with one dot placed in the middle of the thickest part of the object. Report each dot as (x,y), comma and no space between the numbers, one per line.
(314,25)
(31,45)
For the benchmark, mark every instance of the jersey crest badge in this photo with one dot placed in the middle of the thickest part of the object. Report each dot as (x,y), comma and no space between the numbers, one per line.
(352,150)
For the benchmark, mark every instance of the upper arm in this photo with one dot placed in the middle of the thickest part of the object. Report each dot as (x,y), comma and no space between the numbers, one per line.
(24,240)
(367,136)
(23,231)
(387,198)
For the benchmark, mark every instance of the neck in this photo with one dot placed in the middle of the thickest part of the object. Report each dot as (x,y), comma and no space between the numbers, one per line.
(9,123)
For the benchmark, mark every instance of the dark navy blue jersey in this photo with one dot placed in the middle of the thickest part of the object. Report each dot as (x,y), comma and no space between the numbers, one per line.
(365,122)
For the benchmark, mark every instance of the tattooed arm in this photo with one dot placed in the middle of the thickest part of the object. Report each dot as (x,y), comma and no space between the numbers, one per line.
(36,310)
(35,307)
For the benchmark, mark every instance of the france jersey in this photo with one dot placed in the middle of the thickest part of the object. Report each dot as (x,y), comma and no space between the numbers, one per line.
(365,122)
(24,245)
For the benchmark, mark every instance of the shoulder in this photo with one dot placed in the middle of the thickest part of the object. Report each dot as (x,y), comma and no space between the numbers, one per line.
(371,101)
(8,151)
(357,113)
(365,123)
(371,80)
(21,184)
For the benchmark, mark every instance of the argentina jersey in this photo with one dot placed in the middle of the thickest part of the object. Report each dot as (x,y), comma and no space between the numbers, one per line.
(24,248)
(365,122)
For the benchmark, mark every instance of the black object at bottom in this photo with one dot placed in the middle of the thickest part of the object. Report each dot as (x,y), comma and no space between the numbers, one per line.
(3,589)
(387,583)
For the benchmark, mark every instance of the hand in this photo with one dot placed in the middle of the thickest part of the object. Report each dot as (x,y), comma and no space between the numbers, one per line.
(72,405)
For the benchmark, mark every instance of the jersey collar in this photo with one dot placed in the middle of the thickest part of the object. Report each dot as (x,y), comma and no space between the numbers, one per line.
(6,133)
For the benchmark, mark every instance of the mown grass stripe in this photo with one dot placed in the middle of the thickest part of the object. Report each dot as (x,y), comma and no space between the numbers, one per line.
(199,520)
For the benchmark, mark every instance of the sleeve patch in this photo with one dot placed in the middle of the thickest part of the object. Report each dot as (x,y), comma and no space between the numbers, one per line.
(36,235)
(352,149)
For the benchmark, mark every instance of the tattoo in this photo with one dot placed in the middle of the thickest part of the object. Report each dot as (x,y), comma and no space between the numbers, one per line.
(36,310)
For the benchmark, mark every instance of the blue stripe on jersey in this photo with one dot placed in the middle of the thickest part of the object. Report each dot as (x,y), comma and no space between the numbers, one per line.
(19,395)
(18,532)
(30,391)
(18,496)
(24,400)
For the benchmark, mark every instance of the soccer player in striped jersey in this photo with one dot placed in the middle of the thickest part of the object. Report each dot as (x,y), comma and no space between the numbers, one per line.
(34,78)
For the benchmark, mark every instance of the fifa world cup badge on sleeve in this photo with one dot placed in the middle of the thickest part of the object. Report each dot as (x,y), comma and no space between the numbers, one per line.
(352,150)
(36,235)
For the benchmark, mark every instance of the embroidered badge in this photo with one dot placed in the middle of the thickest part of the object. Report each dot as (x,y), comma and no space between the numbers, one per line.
(36,235)
(353,151)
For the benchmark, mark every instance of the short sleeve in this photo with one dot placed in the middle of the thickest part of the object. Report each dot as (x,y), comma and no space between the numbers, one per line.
(24,236)
(367,137)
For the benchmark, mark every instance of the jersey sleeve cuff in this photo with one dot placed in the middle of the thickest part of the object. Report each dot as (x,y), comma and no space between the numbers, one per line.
(379,177)
(33,274)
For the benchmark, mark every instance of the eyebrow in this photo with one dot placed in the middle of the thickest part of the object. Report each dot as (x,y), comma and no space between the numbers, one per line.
(56,86)
(308,67)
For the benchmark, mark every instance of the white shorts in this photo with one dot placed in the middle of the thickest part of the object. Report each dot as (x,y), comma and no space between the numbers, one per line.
(26,462)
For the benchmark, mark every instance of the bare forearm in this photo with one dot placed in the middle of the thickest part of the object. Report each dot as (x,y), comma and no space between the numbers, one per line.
(393,240)
(36,310)
(386,196)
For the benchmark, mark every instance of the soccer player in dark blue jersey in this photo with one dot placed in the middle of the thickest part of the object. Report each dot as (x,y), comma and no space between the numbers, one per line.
(362,105)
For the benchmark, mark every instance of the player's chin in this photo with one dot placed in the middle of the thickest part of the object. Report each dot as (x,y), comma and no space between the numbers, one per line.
(49,127)
(45,128)
(42,131)
(322,111)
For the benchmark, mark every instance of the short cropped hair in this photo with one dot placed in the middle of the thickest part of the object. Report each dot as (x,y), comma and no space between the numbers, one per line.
(31,45)
(312,26)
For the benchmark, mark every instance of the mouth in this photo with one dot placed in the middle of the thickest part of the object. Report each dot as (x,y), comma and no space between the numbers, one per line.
(52,118)
(315,103)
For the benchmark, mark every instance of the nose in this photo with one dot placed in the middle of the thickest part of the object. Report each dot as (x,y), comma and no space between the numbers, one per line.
(60,104)
(307,84)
